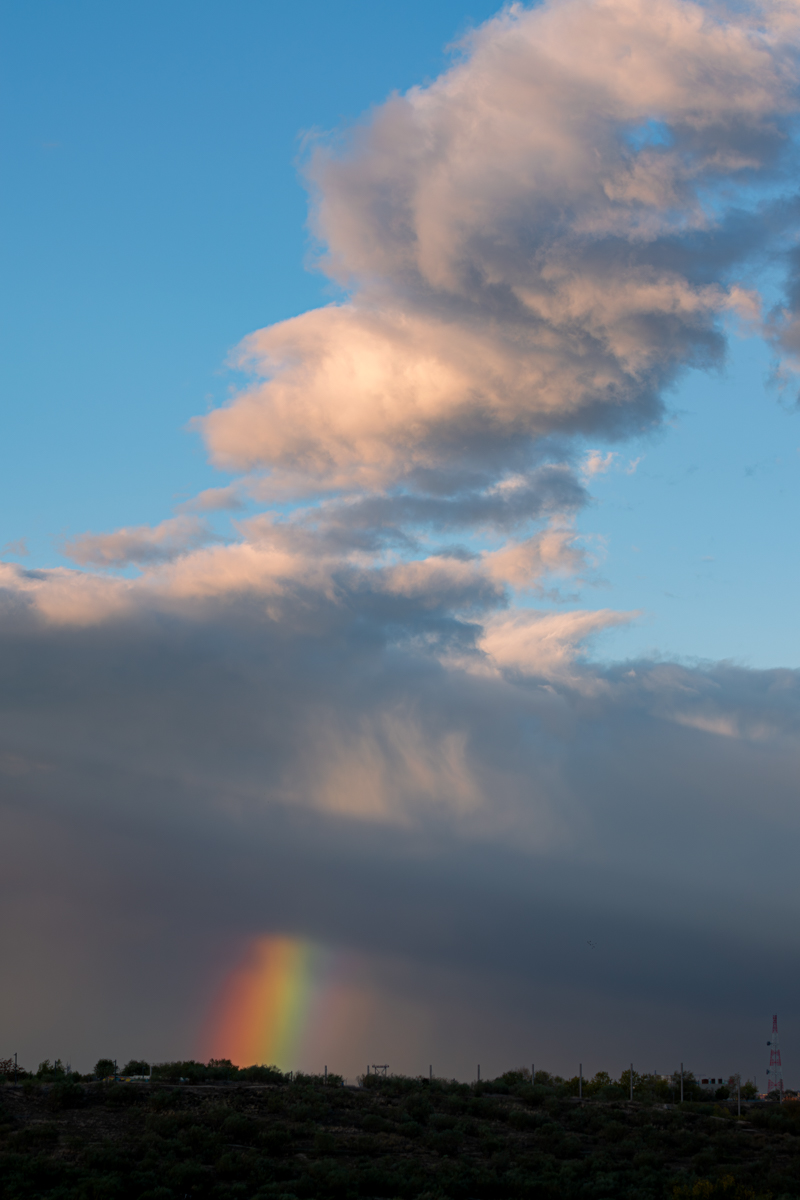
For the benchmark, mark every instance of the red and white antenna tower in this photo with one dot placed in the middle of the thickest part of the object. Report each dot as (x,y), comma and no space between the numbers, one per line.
(774,1073)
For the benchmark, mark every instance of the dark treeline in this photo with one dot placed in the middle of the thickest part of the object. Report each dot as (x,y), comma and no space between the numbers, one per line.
(216,1070)
(215,1130)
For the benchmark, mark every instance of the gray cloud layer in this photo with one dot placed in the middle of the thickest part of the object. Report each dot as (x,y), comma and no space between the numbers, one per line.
(313,772)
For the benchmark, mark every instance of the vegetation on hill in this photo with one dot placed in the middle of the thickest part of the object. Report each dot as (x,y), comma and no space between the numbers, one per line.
(258,1134)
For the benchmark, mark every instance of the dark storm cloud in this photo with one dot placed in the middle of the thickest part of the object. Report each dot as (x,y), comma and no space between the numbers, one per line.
(255,773)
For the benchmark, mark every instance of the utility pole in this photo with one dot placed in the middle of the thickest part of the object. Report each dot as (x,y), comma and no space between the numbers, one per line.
(631,1081)
(775,1072)
(533,1075)
(681,1083)
(430,1073)
(739,1097)
(479,1072)
(580,1081)
(326,1074)
(15,1066)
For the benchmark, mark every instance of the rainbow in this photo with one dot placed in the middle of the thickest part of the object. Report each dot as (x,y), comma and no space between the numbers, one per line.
(293,1004)
(269,1002)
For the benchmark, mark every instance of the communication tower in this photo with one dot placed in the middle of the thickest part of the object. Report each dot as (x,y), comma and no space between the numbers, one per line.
(774,1071)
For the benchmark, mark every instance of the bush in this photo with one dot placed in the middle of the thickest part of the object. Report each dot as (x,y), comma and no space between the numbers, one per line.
(447,1142)
(46,1133)
(136,1066)
(419,1108)
(49,1072)
(725,1186)
(260,1074)
(375,1124)
(239,1128)
(122,1096)
(66,1094)
(214,1071)
(276,1140)
(522,1120)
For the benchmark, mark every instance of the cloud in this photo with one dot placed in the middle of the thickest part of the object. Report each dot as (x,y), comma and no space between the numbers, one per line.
(220,499)
(450,796)
(346,720)
(139,544)
(597,463)
(471,505)
(555,551)
(543,645)
(537,242)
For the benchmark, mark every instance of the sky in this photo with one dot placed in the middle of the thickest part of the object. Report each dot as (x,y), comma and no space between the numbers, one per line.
(400,466)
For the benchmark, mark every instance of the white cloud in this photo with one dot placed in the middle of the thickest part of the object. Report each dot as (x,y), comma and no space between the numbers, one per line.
(544,644)
(597,463)
(219,499)
(139,544)
(526,255)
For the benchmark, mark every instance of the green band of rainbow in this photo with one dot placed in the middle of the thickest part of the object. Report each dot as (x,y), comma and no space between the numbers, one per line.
(267,1004)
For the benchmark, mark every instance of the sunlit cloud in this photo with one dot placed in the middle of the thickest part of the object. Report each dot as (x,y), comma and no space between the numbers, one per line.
(140,544)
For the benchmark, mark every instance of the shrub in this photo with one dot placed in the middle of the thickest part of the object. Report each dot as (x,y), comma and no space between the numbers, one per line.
(725,1186)
(136,1066)
(419,1108)
(260,1074)
(239,1128)
(276,1140)
(375,1124)
(121,1096)
(45,1133)
(50,1071)
(215,1070)
(65,1094)
(447,1142)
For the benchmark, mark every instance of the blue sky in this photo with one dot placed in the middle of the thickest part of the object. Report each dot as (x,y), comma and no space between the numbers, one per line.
(701,536)
(154,215)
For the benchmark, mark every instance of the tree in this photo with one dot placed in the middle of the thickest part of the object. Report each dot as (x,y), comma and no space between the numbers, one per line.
(136,1066)
(48,1070)
(104,1067)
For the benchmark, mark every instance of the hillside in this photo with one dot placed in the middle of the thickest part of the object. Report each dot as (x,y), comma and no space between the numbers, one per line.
(394,1137)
